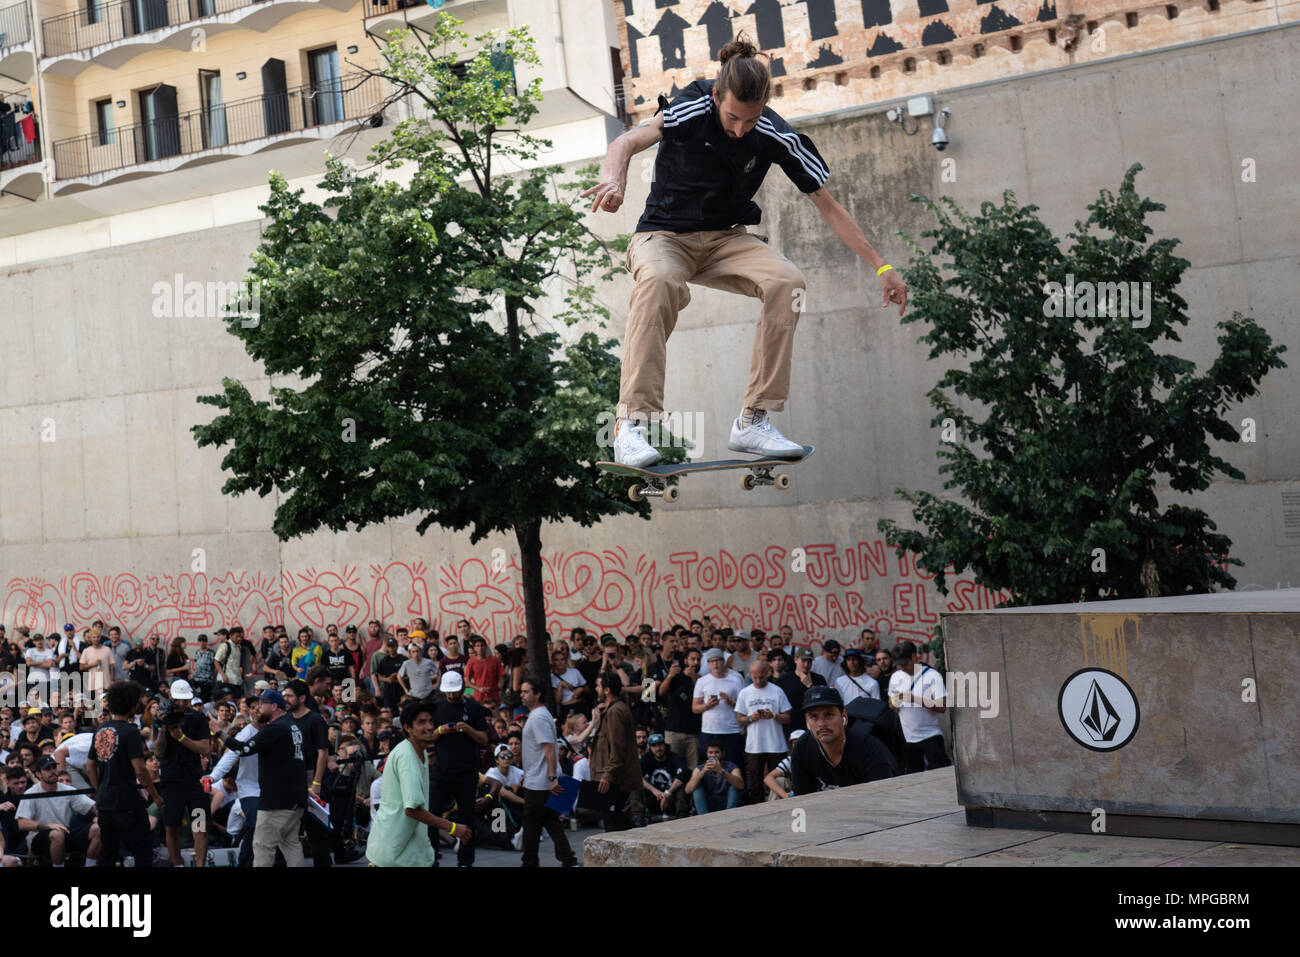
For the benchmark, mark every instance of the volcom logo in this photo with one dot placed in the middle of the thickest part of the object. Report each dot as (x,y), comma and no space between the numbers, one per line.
(75,910)
(1098,709)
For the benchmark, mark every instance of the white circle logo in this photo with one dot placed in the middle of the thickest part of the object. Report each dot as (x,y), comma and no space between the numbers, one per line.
(1098,709)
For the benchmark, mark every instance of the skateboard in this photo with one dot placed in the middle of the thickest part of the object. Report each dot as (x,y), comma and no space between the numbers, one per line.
(656,476)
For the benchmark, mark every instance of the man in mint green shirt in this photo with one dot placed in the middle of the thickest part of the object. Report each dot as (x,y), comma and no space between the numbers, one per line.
(399,836)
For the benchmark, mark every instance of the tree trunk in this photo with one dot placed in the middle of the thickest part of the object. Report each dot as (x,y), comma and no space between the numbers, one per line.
(530,556)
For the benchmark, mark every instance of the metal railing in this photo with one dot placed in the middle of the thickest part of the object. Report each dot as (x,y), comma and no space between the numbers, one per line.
(355,96)
(15,25)
(108,20)
(22,152)
(373,8)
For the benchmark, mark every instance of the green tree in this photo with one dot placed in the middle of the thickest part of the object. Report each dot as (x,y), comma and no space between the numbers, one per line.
(402,392)
(1065,424)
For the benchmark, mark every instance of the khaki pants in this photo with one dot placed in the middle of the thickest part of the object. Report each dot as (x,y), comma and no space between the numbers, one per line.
(686,747)
(277,829)
(662,263)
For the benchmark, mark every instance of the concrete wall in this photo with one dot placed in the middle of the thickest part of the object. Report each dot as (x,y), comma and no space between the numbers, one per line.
(120,516)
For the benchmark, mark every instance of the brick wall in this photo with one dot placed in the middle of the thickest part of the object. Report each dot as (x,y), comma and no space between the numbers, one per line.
(830,54)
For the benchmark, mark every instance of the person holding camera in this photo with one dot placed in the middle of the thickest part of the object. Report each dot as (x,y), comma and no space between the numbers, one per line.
(716,784)
(181,748)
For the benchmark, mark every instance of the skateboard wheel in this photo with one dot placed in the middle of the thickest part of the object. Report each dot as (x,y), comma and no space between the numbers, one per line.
(634,493)
(782,482)
(747,482)
(672,493)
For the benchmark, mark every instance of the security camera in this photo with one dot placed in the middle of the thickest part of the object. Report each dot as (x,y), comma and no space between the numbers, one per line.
(939,140)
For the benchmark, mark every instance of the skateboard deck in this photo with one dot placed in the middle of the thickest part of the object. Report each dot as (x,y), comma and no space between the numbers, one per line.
(656,476)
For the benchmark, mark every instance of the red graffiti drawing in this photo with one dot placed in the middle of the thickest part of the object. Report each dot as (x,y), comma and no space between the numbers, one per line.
(822,590)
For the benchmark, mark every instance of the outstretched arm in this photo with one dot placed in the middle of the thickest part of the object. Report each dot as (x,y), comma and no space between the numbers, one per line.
(609,193)
(850,233)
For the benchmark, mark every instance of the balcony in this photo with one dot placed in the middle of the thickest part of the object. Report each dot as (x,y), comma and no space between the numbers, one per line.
(113,31)
(17,47)
(239,128)
(384,15)
(20,161)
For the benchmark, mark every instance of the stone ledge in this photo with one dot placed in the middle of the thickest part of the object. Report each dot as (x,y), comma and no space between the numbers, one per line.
(907,821)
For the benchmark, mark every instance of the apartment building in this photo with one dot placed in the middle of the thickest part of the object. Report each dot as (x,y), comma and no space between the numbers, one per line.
(149,102)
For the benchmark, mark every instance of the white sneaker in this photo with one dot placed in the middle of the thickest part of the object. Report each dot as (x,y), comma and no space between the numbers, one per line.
(762,438)
(631,448)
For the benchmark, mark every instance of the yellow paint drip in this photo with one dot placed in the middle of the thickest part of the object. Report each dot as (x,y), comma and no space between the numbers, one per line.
(1105,641)
(1105,645)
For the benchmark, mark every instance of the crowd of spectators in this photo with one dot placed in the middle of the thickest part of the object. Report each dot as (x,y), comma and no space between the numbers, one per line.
(251,749)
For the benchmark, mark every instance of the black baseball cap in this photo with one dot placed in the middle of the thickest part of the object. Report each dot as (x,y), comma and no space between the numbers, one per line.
(819,696)
(854,653)
(831,645)
(45,761)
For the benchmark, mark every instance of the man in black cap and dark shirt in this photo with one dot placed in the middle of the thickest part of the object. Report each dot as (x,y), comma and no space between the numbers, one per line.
(315,754)
(799,682)
(282,780)
(386,669)
(461,730)
(187,741)
(115,766)
(829,757)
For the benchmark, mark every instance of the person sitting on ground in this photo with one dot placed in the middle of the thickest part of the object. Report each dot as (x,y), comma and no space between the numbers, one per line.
(716,784)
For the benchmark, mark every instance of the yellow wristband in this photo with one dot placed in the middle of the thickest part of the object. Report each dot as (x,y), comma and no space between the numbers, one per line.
(883,268)
(181,738)
(452,832)
(315,784)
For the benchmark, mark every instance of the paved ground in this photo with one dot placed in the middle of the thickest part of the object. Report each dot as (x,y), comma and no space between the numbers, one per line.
(495,857)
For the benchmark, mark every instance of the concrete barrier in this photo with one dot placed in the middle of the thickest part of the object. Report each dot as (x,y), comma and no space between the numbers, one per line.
(1166,717)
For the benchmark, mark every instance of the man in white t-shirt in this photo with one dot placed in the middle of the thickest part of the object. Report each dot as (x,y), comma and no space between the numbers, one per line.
(71,756)
(827,663)
(763,710)
(855,682)
(570,687)
(541,779)
(917,693)
(40,666)
(715,701)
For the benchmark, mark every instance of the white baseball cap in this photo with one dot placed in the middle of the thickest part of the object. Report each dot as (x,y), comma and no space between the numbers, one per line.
(181,690)
(451,681)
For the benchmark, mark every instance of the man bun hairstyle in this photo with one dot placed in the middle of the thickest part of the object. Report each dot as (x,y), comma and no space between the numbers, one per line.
(743,74)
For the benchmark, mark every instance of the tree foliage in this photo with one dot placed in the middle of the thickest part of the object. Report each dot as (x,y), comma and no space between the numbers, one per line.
(414,372)
(1067,424)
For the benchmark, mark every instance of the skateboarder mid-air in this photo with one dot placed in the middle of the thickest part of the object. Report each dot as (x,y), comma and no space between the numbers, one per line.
(719,140)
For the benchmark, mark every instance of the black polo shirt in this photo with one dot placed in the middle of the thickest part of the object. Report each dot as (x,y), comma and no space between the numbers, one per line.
(706,180)
(457,755)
